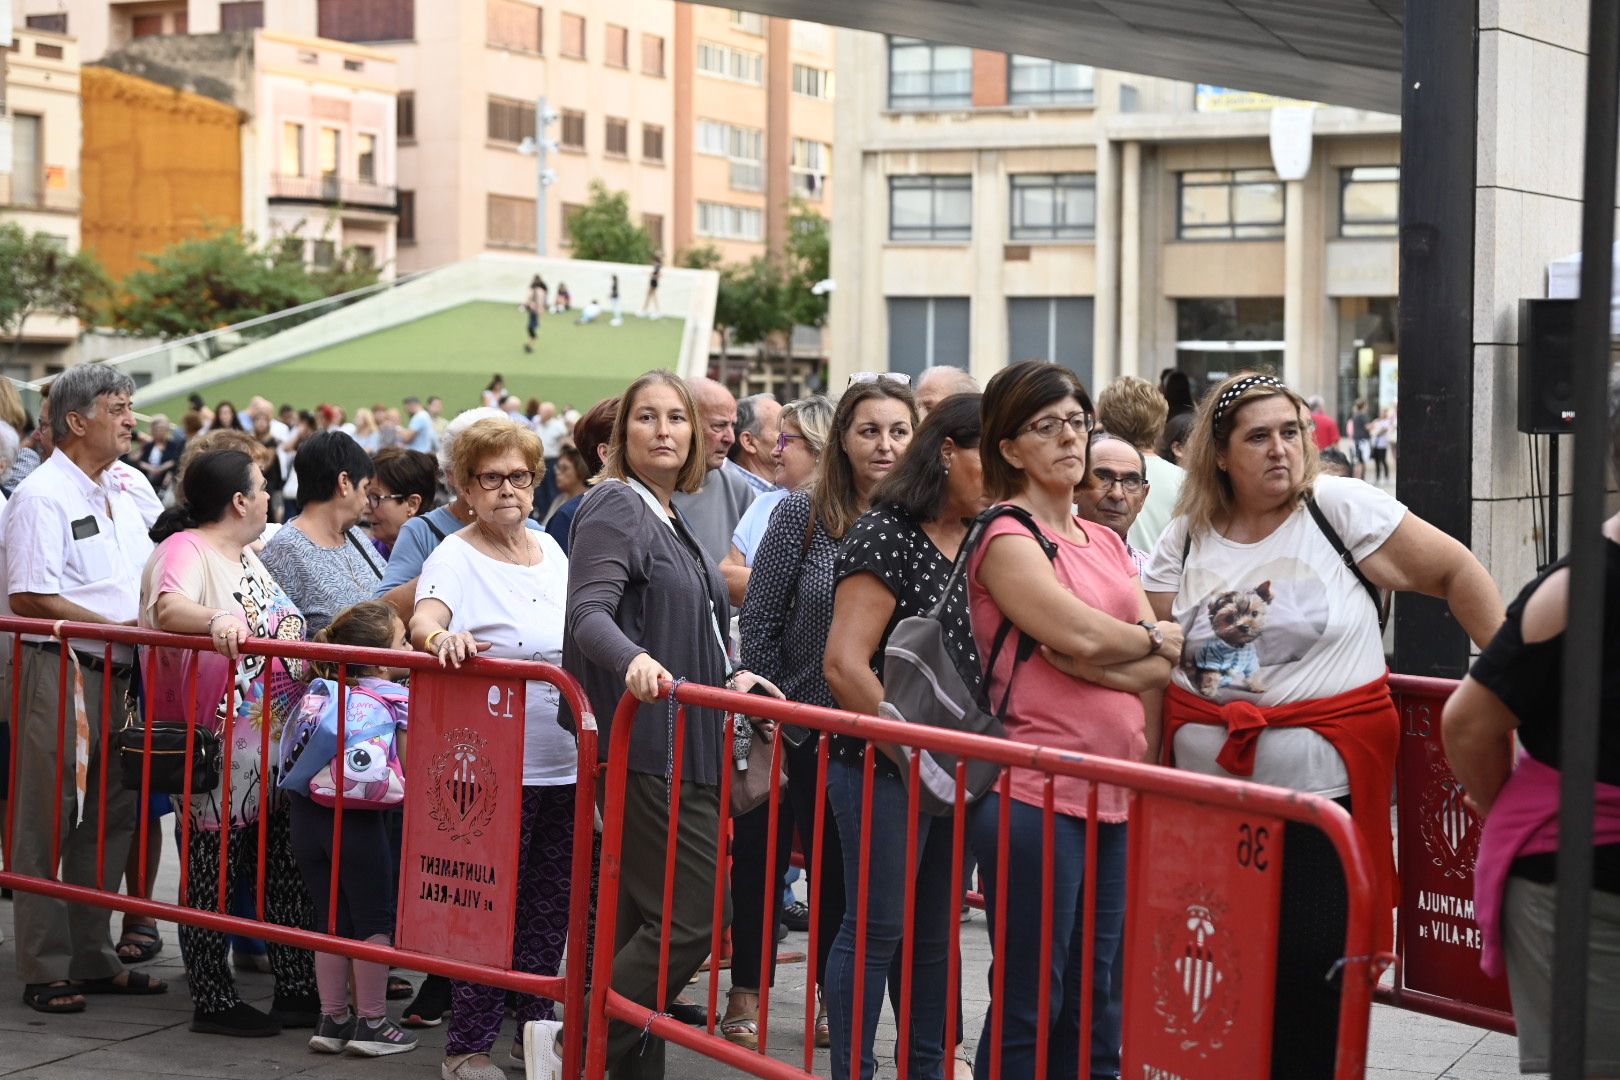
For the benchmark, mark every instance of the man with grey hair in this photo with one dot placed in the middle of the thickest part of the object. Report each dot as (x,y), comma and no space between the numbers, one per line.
(757,429)
(940,382)
(75,545)
(712,512)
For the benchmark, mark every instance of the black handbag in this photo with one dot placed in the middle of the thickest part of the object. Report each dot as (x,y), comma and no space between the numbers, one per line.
(168,758)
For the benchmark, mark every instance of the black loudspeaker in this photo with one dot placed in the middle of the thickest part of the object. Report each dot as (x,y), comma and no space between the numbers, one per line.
(1547,366)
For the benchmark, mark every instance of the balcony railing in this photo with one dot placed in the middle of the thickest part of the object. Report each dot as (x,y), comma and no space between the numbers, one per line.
(334,189)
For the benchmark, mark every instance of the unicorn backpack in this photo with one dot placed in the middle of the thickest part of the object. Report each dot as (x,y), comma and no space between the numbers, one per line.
(368,762)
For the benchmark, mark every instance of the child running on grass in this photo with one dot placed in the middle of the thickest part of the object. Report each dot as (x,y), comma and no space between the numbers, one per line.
(366,881)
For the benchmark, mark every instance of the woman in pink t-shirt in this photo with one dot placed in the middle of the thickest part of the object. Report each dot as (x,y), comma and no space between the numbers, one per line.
(1084,692)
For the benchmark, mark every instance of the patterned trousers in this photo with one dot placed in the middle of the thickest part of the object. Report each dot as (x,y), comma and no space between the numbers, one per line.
(545,862)
(207,956)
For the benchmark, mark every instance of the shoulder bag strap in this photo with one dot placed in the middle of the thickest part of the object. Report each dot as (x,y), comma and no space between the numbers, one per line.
(1379,599)
(361,548)
(438,533)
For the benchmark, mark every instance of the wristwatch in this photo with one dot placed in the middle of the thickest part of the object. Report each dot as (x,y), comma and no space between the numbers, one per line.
(1155,635)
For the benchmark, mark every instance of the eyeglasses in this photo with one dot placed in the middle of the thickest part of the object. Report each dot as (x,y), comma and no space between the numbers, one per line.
(898,377)
(782,441)
(375,500)
(1049,427)
(492,481)
(1130,483)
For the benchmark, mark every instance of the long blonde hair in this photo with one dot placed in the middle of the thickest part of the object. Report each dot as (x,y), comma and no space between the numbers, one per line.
(1206,492)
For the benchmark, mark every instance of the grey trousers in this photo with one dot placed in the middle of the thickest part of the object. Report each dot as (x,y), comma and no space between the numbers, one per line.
(641,910)
(57,940)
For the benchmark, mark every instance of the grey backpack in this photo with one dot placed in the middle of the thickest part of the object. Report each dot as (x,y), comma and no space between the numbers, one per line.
(922,683)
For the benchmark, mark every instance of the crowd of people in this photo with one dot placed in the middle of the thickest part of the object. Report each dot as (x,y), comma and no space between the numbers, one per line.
(1172,559)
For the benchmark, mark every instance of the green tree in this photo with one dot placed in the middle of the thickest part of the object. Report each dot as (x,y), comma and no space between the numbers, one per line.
(38,275)
(809,260)
(602,230)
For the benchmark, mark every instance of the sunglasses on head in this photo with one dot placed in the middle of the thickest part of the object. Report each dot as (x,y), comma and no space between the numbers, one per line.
(898,377)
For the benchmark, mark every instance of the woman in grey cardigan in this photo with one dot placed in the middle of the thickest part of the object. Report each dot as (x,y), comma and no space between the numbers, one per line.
(646,605)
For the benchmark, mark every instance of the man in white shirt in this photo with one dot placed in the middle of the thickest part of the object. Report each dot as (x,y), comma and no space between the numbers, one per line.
(75,544)
(553,431)
(757,428)
(260,406)
(714,509)
(419,433)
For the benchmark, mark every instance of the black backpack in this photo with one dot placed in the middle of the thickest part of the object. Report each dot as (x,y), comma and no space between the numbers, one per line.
(922,683)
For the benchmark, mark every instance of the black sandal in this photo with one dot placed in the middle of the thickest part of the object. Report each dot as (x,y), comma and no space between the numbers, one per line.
(135,982)
(52,997)
(144,939)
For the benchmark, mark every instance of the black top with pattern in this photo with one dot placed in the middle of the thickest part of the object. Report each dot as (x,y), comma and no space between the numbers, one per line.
(788,611)
(891,546)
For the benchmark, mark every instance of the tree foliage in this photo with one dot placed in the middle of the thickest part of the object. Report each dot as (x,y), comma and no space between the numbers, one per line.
(226,277)
(38,275)
(809,260)
(602,231)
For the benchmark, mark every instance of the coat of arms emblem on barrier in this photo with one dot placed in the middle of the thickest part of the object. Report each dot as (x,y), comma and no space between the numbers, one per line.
(462,787)
(1196,973)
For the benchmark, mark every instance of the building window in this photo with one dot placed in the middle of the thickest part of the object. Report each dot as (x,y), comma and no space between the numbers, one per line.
(1230,204)
(55,24)
(1054,328)
(812,82)
(405,116)
(1215,337)
(749,22)
(510,120)
(652,142)
(616,49)
(366,161)
(745,147)
(573,130)
(652,55)
(145,26)
(573,36)
(292,149)
(511,24)
(366,20)
(1034,81)
(46,51)
(509,222)
(724,62)
(331,153)
(616,137)
(654,224)
(1061,206)
(722,221)
(566,213)
(925,331)
(923,75)
(1369,200)
(247,15)
(405,231)
(930,208)
(27,160)
(809,166)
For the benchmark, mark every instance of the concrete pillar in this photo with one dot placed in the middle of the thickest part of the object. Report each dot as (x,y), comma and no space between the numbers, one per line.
(988,319)
(1105,361)
(1306,359)
(1132,283)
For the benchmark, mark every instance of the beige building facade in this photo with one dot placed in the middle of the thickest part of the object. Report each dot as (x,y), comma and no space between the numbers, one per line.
(998,208)
(40,190)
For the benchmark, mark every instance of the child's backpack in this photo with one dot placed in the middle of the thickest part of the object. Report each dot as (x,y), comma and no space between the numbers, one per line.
(372,775)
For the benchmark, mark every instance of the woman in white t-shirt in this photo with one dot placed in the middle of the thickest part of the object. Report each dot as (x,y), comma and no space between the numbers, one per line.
(1275,619)
(498,587)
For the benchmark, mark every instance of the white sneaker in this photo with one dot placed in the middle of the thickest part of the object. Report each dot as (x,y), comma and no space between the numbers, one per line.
(540,1058)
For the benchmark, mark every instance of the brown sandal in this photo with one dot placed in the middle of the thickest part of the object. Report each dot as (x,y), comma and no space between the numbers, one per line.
(741,1028)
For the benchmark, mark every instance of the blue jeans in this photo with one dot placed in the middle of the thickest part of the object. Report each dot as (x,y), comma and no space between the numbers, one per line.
(885,920)
(1020,999)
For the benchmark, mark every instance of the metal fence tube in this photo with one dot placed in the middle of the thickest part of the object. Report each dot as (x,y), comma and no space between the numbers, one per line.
(109,686)
(607,886)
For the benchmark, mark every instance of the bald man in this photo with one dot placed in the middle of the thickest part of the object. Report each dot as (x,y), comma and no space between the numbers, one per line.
(712,512)
(939,383)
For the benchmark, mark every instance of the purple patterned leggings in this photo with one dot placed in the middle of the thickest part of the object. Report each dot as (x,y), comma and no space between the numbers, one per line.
(545,862)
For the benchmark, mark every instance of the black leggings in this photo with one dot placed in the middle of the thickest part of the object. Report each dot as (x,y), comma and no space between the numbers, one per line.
(1310,941)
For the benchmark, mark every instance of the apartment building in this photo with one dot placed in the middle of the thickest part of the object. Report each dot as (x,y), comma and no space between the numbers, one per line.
(754,124)
(997,208)
(39,169)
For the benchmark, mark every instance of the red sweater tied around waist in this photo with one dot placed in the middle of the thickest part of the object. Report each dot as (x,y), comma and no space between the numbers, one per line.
(1360,724)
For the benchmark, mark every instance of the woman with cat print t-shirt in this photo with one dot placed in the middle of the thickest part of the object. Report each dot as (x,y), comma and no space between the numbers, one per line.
(1282,679)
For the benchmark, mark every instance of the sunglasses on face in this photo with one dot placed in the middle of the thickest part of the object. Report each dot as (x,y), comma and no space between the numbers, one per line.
(492,481)
(898,377)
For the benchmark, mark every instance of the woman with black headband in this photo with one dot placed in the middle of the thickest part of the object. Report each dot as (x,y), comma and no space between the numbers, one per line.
(1277,573)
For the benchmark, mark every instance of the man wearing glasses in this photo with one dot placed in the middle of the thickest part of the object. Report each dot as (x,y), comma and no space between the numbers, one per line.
(1133,409)
(1114,488)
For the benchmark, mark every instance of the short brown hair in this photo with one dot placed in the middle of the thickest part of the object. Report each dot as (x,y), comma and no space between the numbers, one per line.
(366,625)
(222,439)
(1206,492)
(408,472)
(1134,410)
(492,437)
(592,430)
(617,464)
(1013,395)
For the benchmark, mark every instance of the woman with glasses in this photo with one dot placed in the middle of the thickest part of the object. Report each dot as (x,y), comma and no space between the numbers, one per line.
(1076,590)
(402,487)
(498,587)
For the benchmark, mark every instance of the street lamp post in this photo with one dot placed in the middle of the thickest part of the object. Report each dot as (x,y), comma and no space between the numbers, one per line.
(540,146)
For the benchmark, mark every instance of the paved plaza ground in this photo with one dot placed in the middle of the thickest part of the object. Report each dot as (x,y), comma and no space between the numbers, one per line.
(144,1038)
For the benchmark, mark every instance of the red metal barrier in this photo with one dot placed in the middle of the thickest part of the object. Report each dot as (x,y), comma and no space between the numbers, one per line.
(474,713)
(1200,932)
(1435,934)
